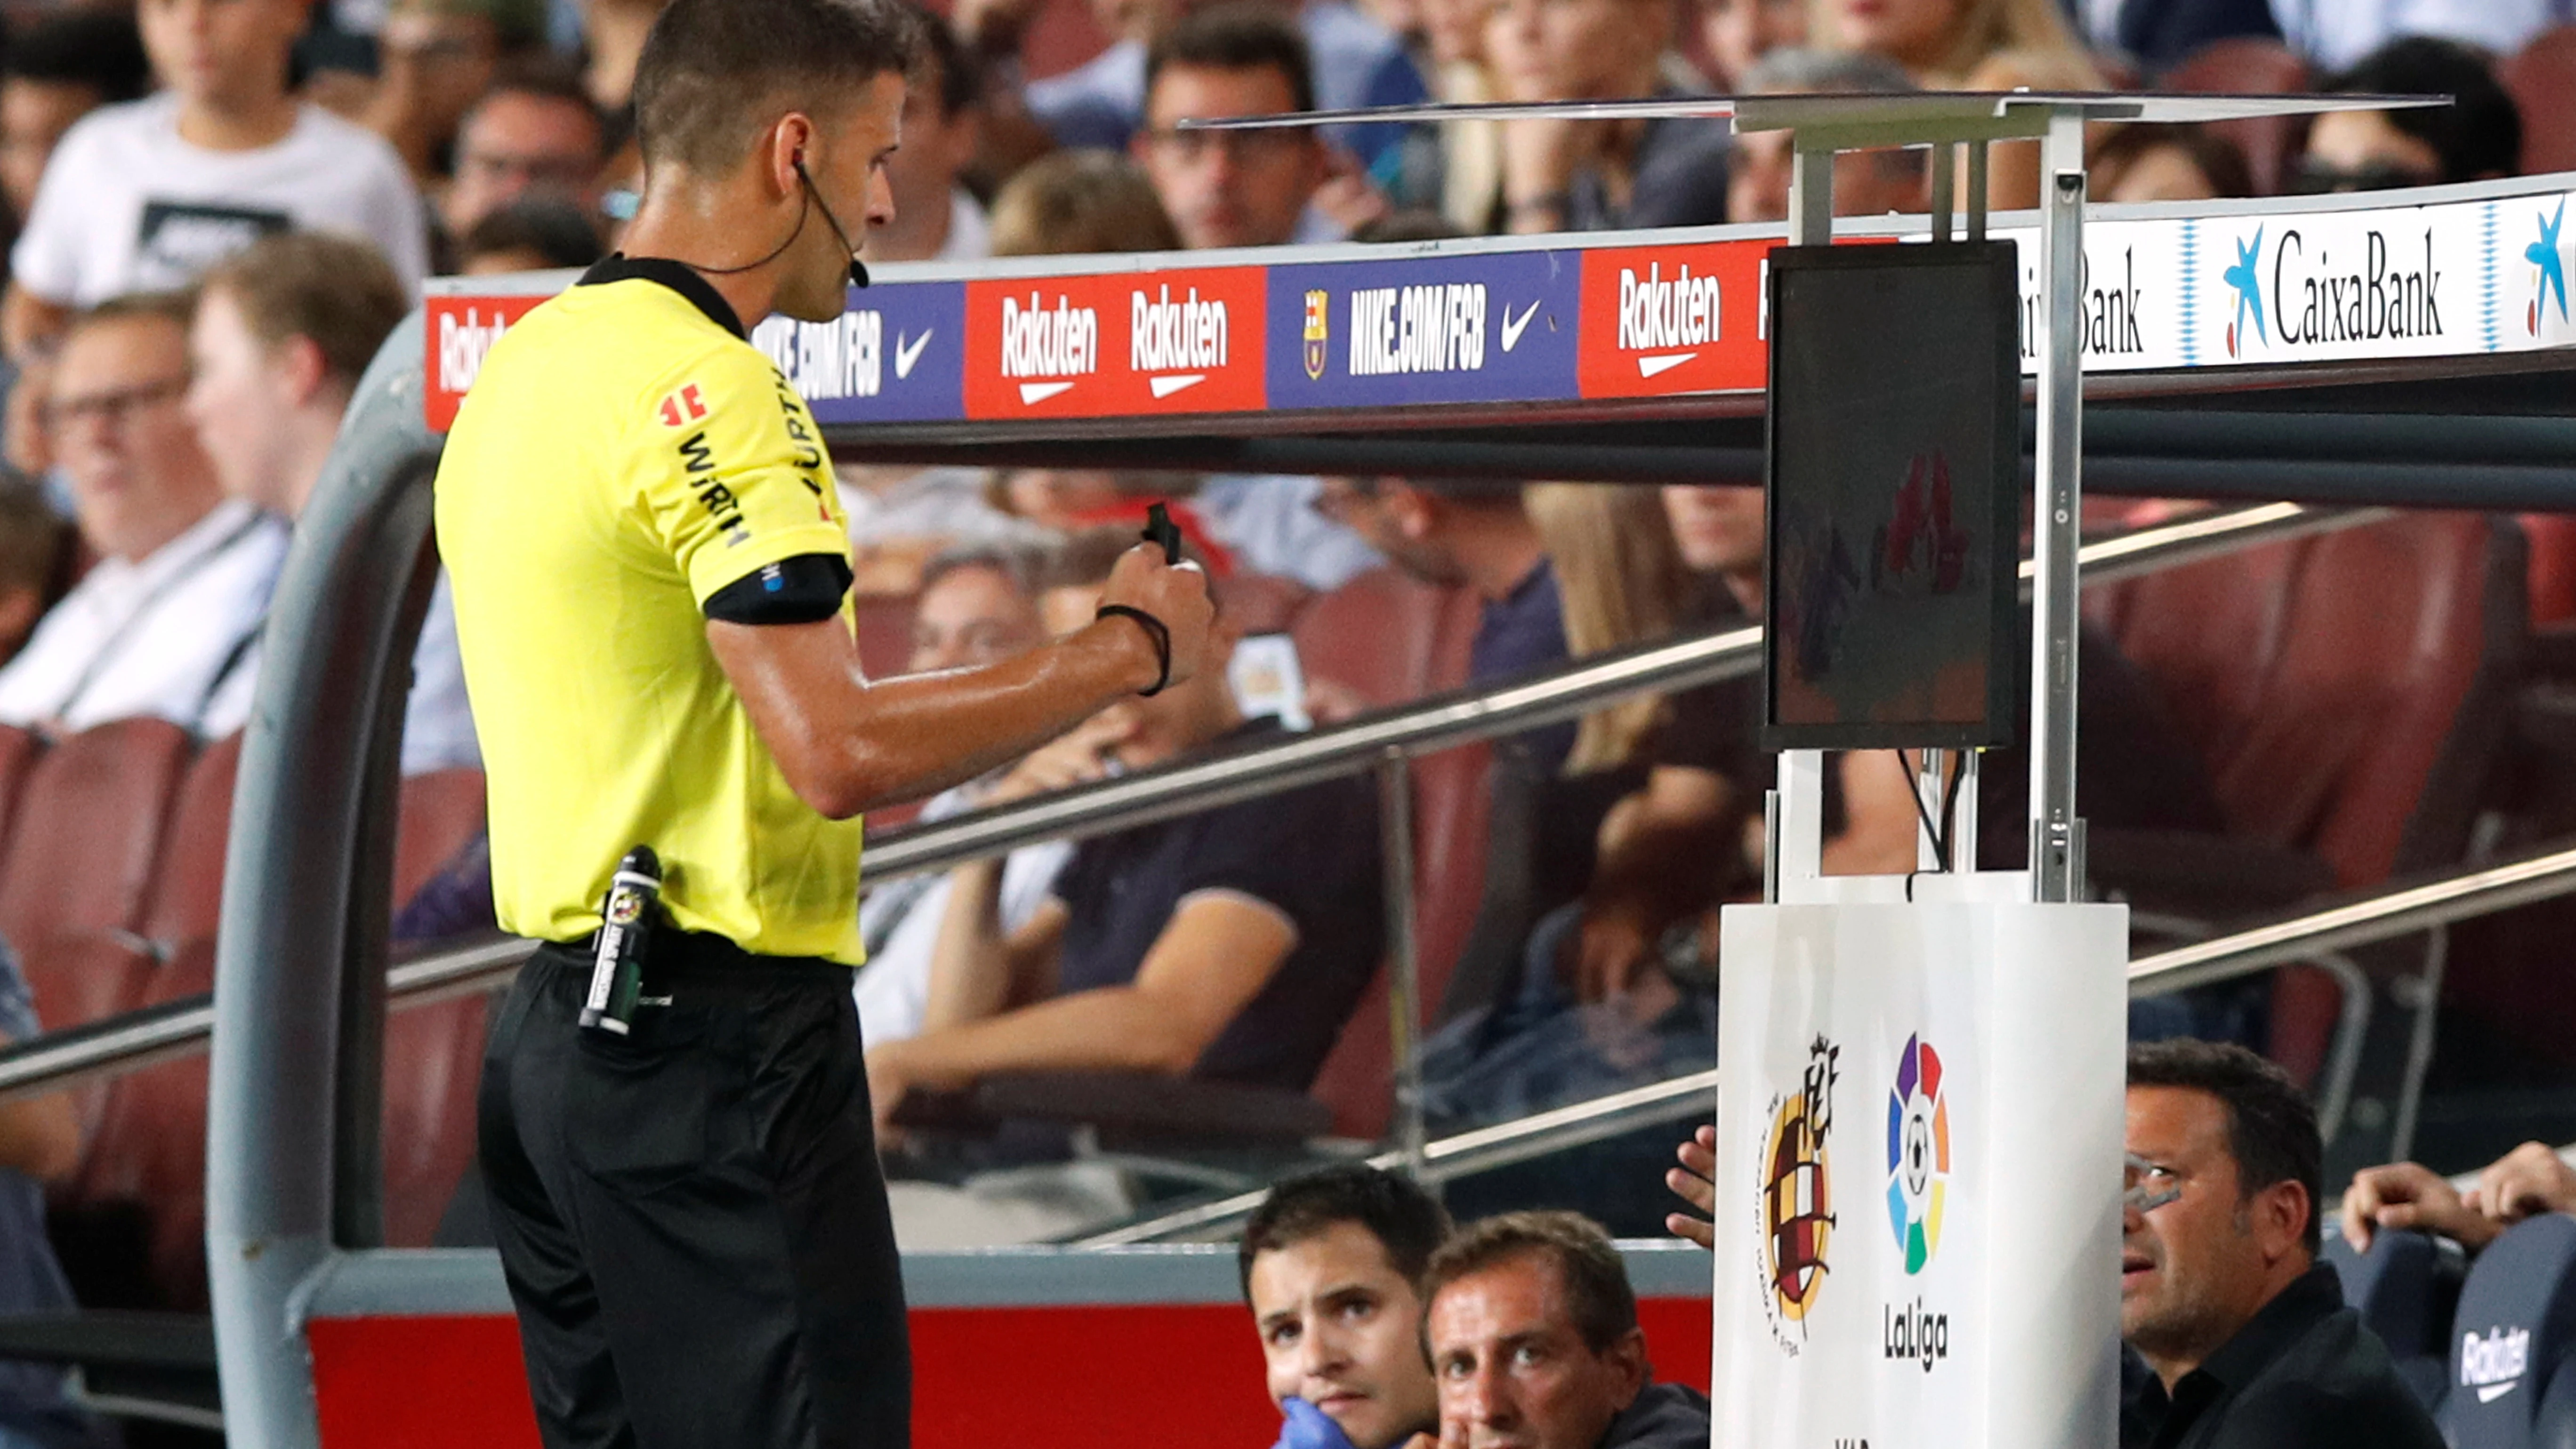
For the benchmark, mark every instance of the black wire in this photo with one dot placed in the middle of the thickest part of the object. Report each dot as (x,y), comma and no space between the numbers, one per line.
(1923,812)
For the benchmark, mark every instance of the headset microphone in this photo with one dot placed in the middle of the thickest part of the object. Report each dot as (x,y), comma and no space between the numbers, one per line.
(858,269)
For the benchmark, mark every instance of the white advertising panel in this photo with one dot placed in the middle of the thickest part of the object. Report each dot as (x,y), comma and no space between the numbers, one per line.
(1918,1173)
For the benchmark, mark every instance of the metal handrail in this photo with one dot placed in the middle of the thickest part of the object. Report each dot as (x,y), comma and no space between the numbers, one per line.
(138,1039)
(1480,1150)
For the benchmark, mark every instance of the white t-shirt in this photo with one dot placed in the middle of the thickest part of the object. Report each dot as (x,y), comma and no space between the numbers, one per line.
(161,636)
(900,922)
(2333,34)
(438,728)
(127,206)
(970,230)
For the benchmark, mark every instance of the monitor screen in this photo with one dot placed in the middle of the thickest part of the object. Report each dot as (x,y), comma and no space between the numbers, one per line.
(1892,481)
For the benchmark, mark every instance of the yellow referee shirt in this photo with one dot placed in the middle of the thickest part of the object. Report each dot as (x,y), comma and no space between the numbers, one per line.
(625,454)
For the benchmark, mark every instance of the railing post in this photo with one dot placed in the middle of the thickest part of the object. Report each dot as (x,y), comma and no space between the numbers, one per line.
(1404,954)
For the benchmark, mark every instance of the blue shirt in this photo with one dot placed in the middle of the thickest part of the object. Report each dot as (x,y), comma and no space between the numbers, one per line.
(1355,62)
(32,1409)
(1523,631)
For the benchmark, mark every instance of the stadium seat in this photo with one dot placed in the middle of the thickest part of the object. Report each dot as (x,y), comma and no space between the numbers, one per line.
(88,830)
(2250,65)
(1390,639)
(441,810)
(2516,1328)
(189,887)
(2406,1289)
(433,1060)
(885,633)
(18,751)
(136,1209)
(2542,79)
(85,976)
(1260,603)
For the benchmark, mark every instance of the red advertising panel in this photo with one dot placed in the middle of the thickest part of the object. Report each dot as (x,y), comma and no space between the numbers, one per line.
(461,330)
(1139,343)
(1671,319)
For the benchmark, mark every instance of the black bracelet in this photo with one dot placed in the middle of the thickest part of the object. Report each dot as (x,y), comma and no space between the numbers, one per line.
(1155,630)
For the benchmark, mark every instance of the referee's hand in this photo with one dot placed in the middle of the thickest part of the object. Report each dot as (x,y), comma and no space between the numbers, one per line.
(1175,594)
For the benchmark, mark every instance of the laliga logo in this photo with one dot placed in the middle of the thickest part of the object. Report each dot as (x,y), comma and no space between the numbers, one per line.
(2249,295)
(2552,277)
(1918,1153)
(1797,1204)
(2494,1365)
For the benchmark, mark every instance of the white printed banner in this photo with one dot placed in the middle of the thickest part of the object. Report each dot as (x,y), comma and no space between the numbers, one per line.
(1918,1176)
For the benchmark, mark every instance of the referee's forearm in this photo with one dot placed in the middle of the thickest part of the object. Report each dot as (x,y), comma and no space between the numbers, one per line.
(848,745)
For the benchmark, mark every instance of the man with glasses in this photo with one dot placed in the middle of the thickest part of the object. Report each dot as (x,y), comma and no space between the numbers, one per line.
(173,607)
(1233,188)
(2243,1334)
(535,131)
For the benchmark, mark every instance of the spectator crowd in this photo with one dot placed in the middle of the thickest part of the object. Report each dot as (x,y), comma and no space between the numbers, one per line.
(219,209)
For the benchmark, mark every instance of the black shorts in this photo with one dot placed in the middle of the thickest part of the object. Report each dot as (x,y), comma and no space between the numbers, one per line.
(691,1218)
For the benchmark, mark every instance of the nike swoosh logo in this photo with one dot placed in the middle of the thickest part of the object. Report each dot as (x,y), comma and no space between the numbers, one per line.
(2489,1393)
(1166,386)
(1512,330)
(908,353)
(1659,365)
(1038,392)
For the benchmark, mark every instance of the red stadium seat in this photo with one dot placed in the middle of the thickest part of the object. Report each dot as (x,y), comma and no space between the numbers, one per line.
(88,830)
(190,884)
(82,977)
(1260,603)
(885,633)
(441,811)
(1390,639)
(145,1169)
(2542,79)
(433,1059)
(19,749)
(2250,65)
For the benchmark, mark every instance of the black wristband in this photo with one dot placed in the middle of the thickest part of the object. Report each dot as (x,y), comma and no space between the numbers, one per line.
(1155,631)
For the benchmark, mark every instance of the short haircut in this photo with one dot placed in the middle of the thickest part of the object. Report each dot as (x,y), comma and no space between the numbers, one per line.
(960,75)
(2479,134)
(545,78)
(35,541)
(549,226)
(1238,35)
(1406,1221)
(1586,1261)
(1026,567)
(337,291)
(2271,1126)
(714,71)
(1078,203)
(177,308)
(100,48)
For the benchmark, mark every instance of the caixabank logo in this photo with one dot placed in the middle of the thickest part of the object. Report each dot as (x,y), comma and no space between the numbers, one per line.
(2342,285)
(1795,1213)
(2548,258)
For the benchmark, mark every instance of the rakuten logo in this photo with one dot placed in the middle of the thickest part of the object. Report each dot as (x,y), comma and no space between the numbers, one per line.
(462,343)
(1667,317)
(1062,341)
(2494,1365)
(1175,343)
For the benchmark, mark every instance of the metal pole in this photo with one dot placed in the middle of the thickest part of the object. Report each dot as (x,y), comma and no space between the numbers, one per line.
(2056,837)
(1404,987)
(1945,183)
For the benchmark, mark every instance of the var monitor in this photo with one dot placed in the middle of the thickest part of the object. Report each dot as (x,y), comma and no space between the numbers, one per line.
(1892,477)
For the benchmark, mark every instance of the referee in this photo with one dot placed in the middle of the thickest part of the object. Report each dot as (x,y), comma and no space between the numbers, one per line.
(651,573)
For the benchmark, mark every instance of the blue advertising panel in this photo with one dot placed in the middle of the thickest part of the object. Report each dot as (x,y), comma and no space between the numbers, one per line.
(1492,327)
(898,355)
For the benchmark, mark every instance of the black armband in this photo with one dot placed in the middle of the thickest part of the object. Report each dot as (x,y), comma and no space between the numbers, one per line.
(799,590)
